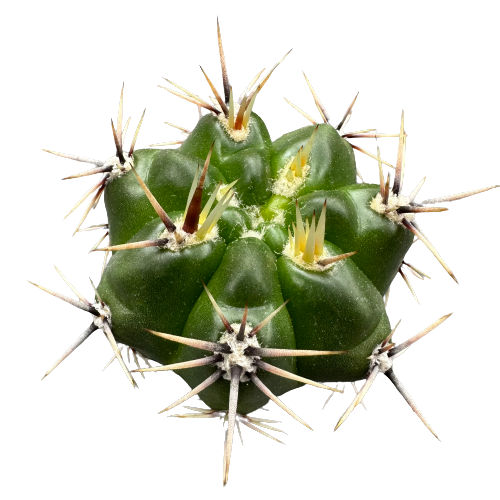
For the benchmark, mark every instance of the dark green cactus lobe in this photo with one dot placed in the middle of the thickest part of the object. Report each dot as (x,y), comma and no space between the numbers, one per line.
(353,226)
(334,309)
(247,160)
(331,160)
(156,288)
(168,174)
(246,275)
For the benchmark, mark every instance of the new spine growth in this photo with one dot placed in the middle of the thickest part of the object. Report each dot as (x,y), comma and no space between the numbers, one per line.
(309,240)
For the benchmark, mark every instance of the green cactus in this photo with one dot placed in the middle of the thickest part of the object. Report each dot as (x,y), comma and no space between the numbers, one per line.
(271,258)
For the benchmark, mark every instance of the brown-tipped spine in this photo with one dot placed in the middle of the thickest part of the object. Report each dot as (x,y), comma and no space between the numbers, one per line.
(241,113)
(225,77)
(119,150)
(154,203)
(241,333)
(193,213)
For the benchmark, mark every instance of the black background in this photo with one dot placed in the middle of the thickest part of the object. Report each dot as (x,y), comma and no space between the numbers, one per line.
(83,413)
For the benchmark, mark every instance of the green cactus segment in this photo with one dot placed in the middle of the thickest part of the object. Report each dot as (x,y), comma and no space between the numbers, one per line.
(275,205)
(331,159)
(233,223)
(353,226)
(156,288)
(274,236)
(210,129)
(251,168)
(247,274)
(336,309)
(247,160)
(353,365)
(168,174)
(125,199)
(331,164)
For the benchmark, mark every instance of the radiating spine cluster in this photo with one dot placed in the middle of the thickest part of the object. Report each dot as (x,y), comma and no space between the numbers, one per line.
(237,116)
(381,361)
(368,133)
(402,209)
(101,320)
(112,168)
(235,375)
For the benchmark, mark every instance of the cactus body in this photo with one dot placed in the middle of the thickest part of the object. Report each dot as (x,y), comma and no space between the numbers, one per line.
(251,267)
(335,309)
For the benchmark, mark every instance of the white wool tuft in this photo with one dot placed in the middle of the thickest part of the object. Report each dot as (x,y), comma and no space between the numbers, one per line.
(383,361)
(286,188)
(105,314)
(237,355)
(389,209)
(188,239)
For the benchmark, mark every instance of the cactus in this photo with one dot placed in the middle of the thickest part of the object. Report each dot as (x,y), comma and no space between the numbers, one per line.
(267,255)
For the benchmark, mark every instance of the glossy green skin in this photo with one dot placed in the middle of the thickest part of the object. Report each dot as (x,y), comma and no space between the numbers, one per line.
(331,159)
(247,274)
(353,226)
(247,161)
(354,364)
(334,310)
(233,223)
(156,288)
(337,309)
(168,174)
(274,236)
